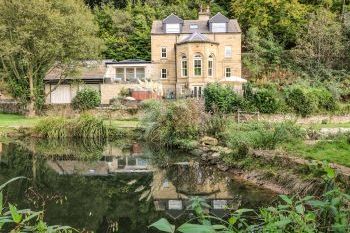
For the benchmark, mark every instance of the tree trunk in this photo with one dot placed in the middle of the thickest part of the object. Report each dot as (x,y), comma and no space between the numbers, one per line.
(31,104)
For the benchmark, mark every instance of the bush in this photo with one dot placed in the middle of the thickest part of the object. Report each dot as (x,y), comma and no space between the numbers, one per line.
(85,126)
(221,98)
(172,122)
(261,135)
(86,99)
(301,99)
(266,100)
(325,99)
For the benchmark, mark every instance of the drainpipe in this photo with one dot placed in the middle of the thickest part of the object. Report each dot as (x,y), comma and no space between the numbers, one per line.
(176,37)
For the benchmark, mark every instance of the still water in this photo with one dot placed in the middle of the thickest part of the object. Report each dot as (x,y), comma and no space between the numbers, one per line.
(116,187)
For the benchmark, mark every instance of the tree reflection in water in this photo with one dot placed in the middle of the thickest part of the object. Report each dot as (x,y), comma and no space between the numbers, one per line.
(91,186)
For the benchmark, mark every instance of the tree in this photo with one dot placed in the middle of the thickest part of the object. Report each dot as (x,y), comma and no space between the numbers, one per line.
(264,53)
(283,18)
(323,46)
(40,36)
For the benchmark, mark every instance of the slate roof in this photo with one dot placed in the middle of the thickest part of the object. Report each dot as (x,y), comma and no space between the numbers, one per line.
(232,27)
(89,70)
(219,18)
(173,19)
(129,61)
(196,37)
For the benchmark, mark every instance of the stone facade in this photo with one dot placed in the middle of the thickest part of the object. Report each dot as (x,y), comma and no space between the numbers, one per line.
(180,47)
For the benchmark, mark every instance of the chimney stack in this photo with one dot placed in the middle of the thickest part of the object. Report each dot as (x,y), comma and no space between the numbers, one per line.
(204,14)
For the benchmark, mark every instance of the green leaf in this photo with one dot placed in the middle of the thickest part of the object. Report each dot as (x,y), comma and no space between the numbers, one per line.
(282,223)
(163,225)
(17,217)
(317,203)
(219,227)
(232,220)
(31,216)
(195,228)
(10,181)
(241,211)
(286,199)
(300,209)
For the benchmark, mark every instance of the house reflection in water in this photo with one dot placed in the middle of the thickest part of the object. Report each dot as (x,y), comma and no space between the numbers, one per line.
(114,160)
(172,188)
(174,197)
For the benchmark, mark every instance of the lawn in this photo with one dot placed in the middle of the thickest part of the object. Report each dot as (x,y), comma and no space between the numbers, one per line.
(16,121)
(330,125)
(336,151)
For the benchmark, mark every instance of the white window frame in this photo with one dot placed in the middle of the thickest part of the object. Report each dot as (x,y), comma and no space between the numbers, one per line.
(228,51)
(163,73)
(219,27)
(197,58)
(184,59)
(172,28)
(211,68)
(163,52)
(228,72)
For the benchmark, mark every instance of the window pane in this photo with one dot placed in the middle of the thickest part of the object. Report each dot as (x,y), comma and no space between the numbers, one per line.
(228,51)
(163,73)
(210,68)
(130,75)
(173,28)
(219,27)
(164,52)
(119,74)
(140,73)
(197,67)
(228,72)
(184,68)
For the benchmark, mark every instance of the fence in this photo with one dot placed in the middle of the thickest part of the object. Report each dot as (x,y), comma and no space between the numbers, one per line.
(243,116)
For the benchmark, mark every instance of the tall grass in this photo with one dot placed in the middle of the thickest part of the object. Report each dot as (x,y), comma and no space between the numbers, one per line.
(85,126)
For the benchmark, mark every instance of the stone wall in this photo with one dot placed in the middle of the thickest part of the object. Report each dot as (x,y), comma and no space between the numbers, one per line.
(10,106)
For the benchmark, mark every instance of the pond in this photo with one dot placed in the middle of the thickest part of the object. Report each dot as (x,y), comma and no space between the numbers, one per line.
(116,187)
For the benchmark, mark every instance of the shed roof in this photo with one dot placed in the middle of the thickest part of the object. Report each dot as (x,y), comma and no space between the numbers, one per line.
(89,70)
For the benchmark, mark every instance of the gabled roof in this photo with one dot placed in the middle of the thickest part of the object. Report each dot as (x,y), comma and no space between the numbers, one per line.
(173,19)
(196,37)
(219,18)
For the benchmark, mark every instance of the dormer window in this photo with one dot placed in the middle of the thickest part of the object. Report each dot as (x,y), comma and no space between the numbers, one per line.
(219,27)
(194,26)
(172,28)
(172,24)
(218,23)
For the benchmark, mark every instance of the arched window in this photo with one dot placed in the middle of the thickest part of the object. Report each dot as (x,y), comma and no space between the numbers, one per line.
(197,63)
(211,66)
(184,66)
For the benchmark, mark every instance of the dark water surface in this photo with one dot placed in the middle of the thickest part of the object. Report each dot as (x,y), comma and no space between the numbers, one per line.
(120,187)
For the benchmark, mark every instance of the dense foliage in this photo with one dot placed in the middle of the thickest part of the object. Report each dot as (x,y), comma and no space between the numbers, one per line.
(41,37)
(83,127)
(86,99)
(328,213)
(15,220)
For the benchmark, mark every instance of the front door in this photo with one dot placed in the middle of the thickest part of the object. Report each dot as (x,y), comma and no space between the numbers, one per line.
(197,92)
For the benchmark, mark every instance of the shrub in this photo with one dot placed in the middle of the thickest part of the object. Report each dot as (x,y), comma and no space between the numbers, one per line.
(301,99)
(85,126)
(266,100)
(170,122)
(261,135)
(221,98)
(325,99)
(86,99)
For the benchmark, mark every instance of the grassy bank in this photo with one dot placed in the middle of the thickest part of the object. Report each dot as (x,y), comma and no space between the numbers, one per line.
(17,121)
(336,150)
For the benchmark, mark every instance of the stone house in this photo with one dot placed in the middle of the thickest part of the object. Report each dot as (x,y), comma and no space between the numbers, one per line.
(186,55)
(189,54)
